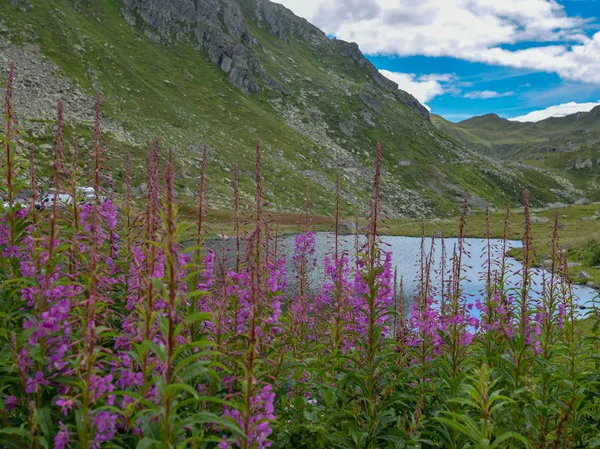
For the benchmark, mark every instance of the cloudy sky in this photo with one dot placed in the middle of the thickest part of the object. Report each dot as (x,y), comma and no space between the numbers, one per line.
(522,59)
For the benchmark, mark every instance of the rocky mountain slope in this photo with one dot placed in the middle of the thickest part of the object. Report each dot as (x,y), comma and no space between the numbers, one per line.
(567,146)
(226,72)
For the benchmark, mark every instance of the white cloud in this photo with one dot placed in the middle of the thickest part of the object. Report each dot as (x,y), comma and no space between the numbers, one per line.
(560,110)
(485,94)
(473,30)
(424,88)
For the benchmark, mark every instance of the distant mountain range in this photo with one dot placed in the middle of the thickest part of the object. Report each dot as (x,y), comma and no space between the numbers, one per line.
(569,146)
(226,72)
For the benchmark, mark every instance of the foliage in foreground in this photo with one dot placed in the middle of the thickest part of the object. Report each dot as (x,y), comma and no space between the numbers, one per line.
(121,328)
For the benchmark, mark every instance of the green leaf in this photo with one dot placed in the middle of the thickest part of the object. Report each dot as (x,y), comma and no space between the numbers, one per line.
(14,431)
(146,443)
(44,419)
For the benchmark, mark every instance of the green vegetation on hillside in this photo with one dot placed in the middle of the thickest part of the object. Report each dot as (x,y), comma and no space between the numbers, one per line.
(568,147)
(331,120)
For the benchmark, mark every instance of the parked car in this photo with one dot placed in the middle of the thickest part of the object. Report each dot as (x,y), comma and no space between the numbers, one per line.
(64,199)
(85,191)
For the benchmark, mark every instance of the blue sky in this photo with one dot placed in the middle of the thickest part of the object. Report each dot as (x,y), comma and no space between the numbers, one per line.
(521,59)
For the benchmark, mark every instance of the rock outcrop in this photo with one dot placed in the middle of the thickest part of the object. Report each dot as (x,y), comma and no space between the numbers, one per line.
(221,26)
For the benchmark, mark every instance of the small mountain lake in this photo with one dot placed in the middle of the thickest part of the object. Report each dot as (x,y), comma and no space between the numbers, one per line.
(406,253)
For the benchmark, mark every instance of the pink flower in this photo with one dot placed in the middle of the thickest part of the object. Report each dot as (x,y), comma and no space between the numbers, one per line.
(11,402)
(62,438)
(105,424)
(33,383)
(261,414)
(65,404)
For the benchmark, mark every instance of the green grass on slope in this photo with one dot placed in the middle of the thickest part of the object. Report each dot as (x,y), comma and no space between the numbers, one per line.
(173,91)
(170,91)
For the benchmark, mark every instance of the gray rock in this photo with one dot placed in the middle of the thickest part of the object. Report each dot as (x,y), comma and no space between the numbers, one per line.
(539,220)
(368,117)
(579,164)
(573,264)
(592,218)
(347,127)
(140,190)
(582,202)
(583,275)
(557,205)
(371,102)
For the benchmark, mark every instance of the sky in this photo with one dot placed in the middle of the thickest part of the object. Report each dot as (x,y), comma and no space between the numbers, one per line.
(524,60)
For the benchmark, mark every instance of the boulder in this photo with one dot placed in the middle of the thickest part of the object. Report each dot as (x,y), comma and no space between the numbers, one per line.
(539,220)
(583,164)
(347,127)
(582,202)
(140,190)
(592,218)
(557,205)
(583,275)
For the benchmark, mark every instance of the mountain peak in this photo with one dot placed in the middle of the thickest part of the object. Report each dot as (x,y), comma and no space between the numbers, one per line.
(486,118)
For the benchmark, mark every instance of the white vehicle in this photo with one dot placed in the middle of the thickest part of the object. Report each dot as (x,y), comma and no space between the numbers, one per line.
(85,191)
(63,199)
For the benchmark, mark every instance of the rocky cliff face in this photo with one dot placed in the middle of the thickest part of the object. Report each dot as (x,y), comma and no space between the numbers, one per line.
(222,28)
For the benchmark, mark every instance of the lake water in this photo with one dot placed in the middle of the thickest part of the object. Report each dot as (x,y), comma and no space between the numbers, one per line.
(406,258)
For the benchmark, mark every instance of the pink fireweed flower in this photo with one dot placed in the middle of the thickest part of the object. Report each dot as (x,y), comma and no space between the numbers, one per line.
(105,424)
(65,404)
(262,412)
(62,438)
(207,277)
(12,251)
(11,402)
(425,322)
(384,296)
(238,290)
(99,386)
(276,285)
(108,213)
(304,263)
(33,383)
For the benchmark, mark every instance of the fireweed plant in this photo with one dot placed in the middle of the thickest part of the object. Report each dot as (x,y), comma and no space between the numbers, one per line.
(123,326)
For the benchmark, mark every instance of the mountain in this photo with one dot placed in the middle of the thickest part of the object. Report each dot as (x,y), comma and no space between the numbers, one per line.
(226,72)
(568,146)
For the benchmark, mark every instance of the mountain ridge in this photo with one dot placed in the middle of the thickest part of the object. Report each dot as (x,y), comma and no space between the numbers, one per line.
(318,105)
(568,146)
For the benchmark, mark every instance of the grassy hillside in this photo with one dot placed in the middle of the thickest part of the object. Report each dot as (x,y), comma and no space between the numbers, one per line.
(564,146)
(329,119)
